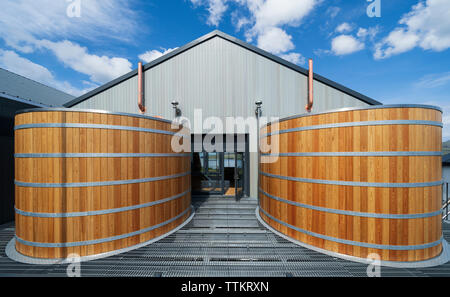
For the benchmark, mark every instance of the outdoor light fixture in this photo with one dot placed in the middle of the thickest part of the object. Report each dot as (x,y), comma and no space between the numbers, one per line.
(177,111)
(258,108)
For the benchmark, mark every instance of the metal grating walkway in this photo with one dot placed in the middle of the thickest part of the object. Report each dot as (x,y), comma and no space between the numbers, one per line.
(223,239)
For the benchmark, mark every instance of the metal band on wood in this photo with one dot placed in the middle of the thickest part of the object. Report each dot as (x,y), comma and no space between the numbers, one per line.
(357,243)
(356,154)
(97,212)
(98,184)
(347,109)
(356,124)
(96,126)
(98,155)
(96,111)
(103,240)
(355,184)
(355,213)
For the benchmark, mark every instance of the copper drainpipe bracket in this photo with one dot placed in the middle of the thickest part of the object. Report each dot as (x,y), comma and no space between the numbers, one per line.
(310,87)
(141,106)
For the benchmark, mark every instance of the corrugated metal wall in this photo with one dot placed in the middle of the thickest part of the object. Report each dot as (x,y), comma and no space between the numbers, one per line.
(223,79)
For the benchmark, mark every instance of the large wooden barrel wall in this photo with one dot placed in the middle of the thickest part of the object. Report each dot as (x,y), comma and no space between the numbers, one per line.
(92,182)
(358,181)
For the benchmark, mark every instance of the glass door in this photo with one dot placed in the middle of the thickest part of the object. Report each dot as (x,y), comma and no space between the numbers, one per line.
(220,173)
(211,173)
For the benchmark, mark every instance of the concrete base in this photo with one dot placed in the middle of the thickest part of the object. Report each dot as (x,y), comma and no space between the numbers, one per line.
(443,258)
(13,254)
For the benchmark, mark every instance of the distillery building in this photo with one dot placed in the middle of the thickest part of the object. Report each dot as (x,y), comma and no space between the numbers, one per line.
(223,77)
(351,177)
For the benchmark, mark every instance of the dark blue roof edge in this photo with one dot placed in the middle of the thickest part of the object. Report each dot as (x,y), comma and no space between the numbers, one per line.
(236,41)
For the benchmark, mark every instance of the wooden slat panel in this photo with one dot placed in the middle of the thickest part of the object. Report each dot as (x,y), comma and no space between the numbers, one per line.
(395,169)
(80,170)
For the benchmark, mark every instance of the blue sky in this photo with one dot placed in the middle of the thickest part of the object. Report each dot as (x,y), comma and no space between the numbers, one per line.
(401,57)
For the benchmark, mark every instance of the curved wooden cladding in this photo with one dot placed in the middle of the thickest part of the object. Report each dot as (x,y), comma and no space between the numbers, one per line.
(92,204)
(380,192)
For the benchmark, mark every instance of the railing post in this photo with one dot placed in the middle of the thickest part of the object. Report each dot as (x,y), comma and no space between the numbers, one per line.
(446,198)
(258,115)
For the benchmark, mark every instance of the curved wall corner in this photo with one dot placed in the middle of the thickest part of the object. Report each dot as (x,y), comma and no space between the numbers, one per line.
(92,182)
(357,181)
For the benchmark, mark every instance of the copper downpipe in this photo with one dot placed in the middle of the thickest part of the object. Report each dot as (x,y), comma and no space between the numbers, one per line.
(310,87)
(141,106)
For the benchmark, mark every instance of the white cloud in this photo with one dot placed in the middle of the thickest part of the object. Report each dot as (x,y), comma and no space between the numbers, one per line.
(265,20)
(344,28)
(346,44)
(275,40)
(333,11)
(44,24)
(149,56)
(398,41)
(264,14)
(275,13)
(11,61)
(23,21)
(427,26)
(371,32)
(295,58)
(216,10)
(239,20)
(100,69)
(434,80)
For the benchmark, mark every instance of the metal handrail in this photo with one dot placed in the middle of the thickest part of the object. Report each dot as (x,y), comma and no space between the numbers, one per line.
(446,215)
(445,204)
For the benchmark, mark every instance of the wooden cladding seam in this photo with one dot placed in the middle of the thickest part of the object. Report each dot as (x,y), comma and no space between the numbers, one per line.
(102,240)
(357,181)
(356,213)
(90,182)
(98,212)
(357,243)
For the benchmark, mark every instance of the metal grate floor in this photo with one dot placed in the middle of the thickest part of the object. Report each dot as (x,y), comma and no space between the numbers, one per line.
(224,239)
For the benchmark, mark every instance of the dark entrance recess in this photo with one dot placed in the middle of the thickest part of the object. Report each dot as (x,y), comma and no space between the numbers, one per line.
(225,170)
(8,109)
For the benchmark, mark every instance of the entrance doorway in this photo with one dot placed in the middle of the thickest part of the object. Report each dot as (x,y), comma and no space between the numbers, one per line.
(223,171)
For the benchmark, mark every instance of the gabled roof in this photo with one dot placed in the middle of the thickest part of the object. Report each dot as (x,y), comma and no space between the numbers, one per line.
(238,42)
(19,88)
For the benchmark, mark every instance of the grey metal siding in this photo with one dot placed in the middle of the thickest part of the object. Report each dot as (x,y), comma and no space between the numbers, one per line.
(115,99)
(223,80)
